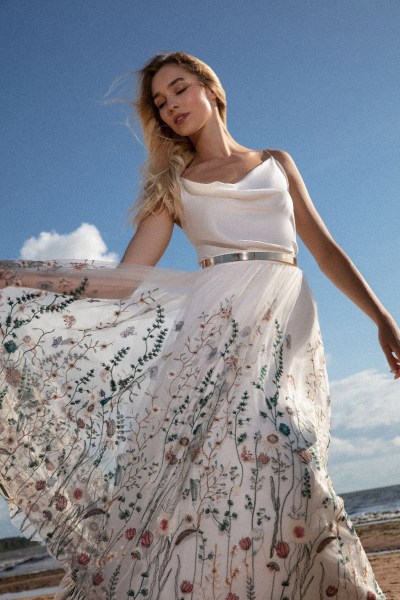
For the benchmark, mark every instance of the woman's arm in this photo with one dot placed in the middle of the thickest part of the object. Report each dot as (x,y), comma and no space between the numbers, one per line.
(146,248)
(150,240)
(336,265)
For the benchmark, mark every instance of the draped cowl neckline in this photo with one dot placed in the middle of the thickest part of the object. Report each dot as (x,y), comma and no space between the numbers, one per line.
(254,213)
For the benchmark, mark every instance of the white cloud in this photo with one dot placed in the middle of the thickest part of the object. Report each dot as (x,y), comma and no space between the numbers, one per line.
(365,443)
(365,401)
(85,242)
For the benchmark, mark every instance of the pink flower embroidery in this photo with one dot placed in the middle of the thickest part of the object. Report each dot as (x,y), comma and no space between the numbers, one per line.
(231,596)
(130,533)
(40,485)
(77,494)
(146,539)
(331,591)
(282,549)
(245,543)
(61,502)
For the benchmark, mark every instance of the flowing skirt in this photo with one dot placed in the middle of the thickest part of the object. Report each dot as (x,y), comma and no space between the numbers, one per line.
(166,433)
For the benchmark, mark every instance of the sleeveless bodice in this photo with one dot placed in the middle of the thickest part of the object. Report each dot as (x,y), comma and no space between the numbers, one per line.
(255,213)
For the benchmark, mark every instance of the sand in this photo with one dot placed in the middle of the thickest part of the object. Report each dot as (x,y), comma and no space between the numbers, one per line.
(376,538)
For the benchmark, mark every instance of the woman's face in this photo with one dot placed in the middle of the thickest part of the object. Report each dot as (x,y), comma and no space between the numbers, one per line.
(183,103)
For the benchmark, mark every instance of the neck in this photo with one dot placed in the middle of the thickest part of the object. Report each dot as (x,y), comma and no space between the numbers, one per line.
(214,141)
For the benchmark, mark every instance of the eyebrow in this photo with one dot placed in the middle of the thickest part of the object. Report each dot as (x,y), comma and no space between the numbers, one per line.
(168,86)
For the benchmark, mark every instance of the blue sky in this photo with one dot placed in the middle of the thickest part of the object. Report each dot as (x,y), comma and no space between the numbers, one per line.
(316,78)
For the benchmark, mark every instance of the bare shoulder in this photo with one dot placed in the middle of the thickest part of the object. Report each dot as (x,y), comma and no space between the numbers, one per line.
(285,159)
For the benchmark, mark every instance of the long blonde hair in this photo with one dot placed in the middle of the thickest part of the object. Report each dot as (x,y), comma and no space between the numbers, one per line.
(168,153)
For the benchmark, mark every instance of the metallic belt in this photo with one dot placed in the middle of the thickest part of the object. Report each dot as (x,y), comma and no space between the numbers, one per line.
(236,256)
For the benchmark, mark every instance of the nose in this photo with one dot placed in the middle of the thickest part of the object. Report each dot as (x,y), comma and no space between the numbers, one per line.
(172,103)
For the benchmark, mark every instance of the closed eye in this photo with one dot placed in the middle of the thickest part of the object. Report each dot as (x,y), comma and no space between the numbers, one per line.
(178,92)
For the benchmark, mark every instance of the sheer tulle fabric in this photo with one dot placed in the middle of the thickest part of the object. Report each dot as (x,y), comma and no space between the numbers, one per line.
(166,433)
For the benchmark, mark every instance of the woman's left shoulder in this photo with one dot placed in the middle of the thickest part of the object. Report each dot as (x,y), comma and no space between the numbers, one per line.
(283,157)
(286,161)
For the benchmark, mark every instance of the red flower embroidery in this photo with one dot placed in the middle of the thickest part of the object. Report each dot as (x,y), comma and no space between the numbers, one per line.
(164,524)
(298,532)
(331,591)
(282,549)
(263,458)
(83,559)
(81,423)
(231,596)
(97,579)
(245,543)
(61,502)
(40,485)
(371,596)
(186,587)
(77,494)
(130,533)
(146,539)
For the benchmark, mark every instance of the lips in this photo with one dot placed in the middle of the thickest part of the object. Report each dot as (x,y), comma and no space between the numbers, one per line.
(180,118)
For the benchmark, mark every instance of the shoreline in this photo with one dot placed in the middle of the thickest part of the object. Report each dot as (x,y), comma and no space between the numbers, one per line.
(381,542)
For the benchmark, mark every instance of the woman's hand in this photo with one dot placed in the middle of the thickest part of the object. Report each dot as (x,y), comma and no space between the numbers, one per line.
(389,339)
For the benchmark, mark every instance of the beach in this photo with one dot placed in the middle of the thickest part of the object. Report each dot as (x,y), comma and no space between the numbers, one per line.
(381,541)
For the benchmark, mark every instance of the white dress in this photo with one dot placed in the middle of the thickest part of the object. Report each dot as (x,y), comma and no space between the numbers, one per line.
(168,438)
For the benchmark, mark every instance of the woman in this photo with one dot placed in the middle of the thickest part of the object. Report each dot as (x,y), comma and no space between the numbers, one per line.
(167,434)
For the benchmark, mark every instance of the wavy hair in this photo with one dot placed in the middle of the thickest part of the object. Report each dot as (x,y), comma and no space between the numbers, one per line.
(168,153)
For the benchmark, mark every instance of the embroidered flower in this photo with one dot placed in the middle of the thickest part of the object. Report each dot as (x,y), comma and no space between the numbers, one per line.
(304,455)
(40,485)
(77,494)
(83,559)
(13,376)
(97,579)
(130,533)
(69,320)
(231,596)
(272,439)
(331,591)
(246,455)
(186,587)
(284,429)
(61,502)
(263,458)
(111,427)
(273,566)
(245,543)
(10,346)
(282,549)
(136,554)
(146,539)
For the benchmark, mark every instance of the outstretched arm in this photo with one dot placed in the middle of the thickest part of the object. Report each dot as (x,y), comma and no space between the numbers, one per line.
(336,265)
(150,240)
(146,248)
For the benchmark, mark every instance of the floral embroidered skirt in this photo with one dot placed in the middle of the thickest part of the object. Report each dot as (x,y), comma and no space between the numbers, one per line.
(166,433)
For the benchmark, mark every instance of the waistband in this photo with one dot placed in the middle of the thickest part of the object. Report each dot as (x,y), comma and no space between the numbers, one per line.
(282,257)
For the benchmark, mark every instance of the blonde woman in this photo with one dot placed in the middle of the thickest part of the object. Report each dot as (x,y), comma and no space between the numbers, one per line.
(166,433)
